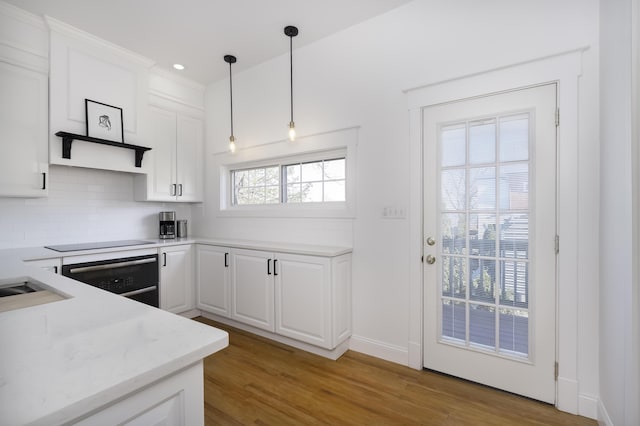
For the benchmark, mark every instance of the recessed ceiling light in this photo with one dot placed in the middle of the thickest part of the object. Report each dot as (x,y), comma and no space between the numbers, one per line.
(178,66)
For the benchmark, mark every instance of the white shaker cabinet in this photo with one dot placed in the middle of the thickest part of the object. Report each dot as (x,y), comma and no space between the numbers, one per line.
(213,279)
(24,163)
(176,279)
(302,297)
(253,288)
(176,172)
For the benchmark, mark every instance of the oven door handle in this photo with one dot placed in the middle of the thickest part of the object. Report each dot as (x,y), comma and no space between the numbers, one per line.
(140,291)
(112,265)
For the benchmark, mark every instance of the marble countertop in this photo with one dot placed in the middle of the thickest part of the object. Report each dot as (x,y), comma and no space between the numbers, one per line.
(63,359)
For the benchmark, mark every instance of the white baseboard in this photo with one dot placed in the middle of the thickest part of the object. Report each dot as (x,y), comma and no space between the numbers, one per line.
(588,406)
(190,314)
(385,351)
(603,415)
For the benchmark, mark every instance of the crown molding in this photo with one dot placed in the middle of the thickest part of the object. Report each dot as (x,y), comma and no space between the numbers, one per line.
(22,15)
(67,30)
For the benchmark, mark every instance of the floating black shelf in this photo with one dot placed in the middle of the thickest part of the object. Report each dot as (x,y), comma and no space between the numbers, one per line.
(68,138)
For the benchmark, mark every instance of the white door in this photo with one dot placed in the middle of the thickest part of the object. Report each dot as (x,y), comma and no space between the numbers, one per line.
(303,298)
(489,243)
(252,284)
(176,266)
(214,279)
(163,139)
(189,158)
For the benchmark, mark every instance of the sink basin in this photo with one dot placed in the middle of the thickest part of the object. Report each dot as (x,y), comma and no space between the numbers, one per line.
(19,288)
(18,293)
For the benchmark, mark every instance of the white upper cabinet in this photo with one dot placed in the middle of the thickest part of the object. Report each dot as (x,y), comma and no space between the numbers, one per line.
(24,65)
(176,159)
(23,120)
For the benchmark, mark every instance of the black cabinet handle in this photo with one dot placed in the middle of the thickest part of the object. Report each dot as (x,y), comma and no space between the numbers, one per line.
(55,269)
(226,260)
(180,187)
(268,266)
(275,271)
(173,189)
(164,259)
(44,180)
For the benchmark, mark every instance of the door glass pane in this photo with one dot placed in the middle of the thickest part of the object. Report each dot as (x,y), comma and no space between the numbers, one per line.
(514,285)
(482,280)
(514,138)
(514,236)
(453,145)
(454,273)
(453,189)
(453,319)
(482,325)
(514,336)
(453,227)
(482,188)
(482,142)
(514,179)
(484,233)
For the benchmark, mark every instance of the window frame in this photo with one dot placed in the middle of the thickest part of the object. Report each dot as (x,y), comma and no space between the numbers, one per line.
(325,146)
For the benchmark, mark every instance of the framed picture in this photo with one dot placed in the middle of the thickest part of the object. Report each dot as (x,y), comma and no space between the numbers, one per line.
(104,121)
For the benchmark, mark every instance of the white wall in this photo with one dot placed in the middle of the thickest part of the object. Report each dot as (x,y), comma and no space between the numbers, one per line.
(619,356)
(357,78)
(84,205)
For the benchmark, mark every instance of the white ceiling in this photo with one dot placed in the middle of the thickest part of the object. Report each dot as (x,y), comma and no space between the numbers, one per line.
(198,33)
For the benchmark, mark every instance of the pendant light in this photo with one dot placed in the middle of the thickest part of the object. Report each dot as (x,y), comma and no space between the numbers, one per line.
(230,59)
(291,32)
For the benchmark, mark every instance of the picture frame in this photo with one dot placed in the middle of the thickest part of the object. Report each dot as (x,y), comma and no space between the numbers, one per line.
(104,121)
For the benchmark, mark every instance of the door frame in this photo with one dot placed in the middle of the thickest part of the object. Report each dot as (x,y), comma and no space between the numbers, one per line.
(565,70)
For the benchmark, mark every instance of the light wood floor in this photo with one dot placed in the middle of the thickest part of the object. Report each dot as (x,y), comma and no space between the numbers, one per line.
(257,381)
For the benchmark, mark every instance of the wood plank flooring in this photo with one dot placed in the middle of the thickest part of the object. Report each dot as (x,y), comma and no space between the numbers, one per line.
(257,381)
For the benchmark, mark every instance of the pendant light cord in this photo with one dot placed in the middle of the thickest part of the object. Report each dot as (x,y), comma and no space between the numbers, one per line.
(231,96)
(291,72)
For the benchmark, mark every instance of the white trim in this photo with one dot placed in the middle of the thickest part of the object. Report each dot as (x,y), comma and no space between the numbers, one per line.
(603,415)
(564,68)
(77,34)
(392,353)
(22,15)
(588,406)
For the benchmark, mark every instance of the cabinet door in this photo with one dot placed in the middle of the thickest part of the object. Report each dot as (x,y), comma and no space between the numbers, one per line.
(51,265)
(303,298)
(213,279)
(176,265)
(252,284)
(190,158)
(163,156)
(24,123)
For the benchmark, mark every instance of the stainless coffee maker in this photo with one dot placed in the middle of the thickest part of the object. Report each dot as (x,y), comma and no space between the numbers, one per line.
(167,225)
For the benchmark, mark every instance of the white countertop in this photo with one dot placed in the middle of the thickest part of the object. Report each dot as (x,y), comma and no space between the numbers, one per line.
(66,358)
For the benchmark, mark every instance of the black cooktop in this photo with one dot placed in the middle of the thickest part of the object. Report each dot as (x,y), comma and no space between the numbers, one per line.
(99,245)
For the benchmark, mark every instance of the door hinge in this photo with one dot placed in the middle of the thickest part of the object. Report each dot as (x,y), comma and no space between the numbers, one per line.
(557,117)
(557,244)
(556,369)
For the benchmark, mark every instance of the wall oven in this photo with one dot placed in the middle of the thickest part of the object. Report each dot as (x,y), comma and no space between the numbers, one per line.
(135,277)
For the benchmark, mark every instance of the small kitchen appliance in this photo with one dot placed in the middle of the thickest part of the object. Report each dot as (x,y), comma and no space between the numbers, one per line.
(181,228)
(167,225)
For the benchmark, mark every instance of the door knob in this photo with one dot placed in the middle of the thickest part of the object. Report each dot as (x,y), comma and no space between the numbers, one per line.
(431,260)
(431,241)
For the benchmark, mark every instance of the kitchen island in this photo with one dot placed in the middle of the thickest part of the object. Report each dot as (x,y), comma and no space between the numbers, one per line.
(97,358)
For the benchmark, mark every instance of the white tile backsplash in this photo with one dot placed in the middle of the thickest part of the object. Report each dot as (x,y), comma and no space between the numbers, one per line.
(83,205)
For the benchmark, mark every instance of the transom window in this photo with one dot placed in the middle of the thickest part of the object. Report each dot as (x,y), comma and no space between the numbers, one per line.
(317,181)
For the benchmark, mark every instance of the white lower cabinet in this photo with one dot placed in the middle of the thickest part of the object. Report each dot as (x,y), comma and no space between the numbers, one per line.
(176,278)
(213,279)
(175,400)
(302,297)
(252,300)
